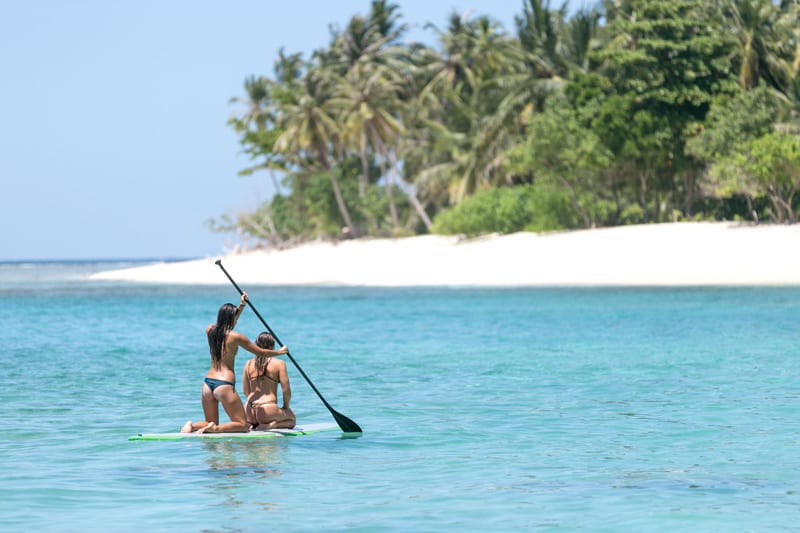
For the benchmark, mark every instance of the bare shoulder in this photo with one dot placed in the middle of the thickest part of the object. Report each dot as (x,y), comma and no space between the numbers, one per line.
(209,328)
(237,336)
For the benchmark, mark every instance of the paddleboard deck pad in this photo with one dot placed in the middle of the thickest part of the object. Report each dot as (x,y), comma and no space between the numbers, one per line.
(305,429)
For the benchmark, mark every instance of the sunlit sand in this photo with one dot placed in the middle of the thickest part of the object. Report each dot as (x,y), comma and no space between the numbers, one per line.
(681,254)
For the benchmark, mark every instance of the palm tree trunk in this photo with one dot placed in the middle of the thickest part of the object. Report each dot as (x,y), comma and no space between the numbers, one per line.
(576,205)
(337,192)
(688,199)
(275,182)
(750,209)
(412,197)
(749,71)
(363,180)
(643,197)
(387,182)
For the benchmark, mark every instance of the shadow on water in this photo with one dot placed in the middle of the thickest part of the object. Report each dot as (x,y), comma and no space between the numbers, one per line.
(231,460)
(242,475)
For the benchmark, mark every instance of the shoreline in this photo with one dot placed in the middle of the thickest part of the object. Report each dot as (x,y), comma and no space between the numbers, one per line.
(671,254)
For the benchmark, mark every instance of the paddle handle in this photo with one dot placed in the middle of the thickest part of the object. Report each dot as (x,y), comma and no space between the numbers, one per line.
(241,292)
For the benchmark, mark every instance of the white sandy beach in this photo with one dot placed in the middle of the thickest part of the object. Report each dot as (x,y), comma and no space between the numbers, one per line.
(681,254)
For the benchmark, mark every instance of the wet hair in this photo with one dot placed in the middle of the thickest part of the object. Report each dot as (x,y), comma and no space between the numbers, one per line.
(264,340)
(219,331)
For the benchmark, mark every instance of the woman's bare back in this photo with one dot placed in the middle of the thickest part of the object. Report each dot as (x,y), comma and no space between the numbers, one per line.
(224,369)
(264,387)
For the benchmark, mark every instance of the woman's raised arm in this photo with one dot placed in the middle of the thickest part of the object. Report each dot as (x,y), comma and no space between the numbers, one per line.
(242,341)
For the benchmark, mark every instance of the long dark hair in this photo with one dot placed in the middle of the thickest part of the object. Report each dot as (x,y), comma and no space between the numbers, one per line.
(264,340)
(219,331)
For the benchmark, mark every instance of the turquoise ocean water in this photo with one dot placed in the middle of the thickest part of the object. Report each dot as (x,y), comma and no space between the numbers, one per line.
(483,410)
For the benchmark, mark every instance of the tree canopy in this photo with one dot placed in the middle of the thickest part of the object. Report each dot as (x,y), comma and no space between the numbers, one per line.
(630,111)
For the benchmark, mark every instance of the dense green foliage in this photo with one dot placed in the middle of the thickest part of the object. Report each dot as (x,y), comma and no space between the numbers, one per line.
(507,210)
(632,111)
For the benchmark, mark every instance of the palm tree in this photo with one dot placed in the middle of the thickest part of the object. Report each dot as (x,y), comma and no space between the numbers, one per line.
(790,14)
(288,68)
(581,34)
(256,125)
(373,40)
(539,30)
(369,108)
(372,94)
(308,126)
(257,89)
(257,122)
(764,33)
(488,83)
(465,85)
(364,56)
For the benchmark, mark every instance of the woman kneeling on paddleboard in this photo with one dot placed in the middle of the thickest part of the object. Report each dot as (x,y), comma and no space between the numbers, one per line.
(220,382)
(262,374)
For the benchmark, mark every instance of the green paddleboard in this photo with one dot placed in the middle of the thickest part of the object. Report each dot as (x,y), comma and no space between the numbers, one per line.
(305,429)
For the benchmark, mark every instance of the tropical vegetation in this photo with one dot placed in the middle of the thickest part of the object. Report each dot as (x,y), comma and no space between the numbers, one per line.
(631,111)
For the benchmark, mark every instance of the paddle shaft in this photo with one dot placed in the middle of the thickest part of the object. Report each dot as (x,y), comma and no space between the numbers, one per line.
(347,425)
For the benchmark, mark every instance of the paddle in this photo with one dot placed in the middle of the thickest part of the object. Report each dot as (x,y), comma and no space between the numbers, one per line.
(347,425)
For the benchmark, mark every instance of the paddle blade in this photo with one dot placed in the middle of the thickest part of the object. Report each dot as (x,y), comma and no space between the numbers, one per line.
(347,425)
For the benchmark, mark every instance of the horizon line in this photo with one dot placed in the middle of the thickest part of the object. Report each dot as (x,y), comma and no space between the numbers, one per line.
(100,260)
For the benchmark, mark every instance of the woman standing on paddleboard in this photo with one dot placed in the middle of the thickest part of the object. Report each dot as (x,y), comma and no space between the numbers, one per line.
(261,377)
(219,384)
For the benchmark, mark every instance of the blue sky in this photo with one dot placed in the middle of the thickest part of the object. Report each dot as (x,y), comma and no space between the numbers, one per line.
(114,141)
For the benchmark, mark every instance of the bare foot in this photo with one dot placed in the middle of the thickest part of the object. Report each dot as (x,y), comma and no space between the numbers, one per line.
(208,429)
(187,427)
